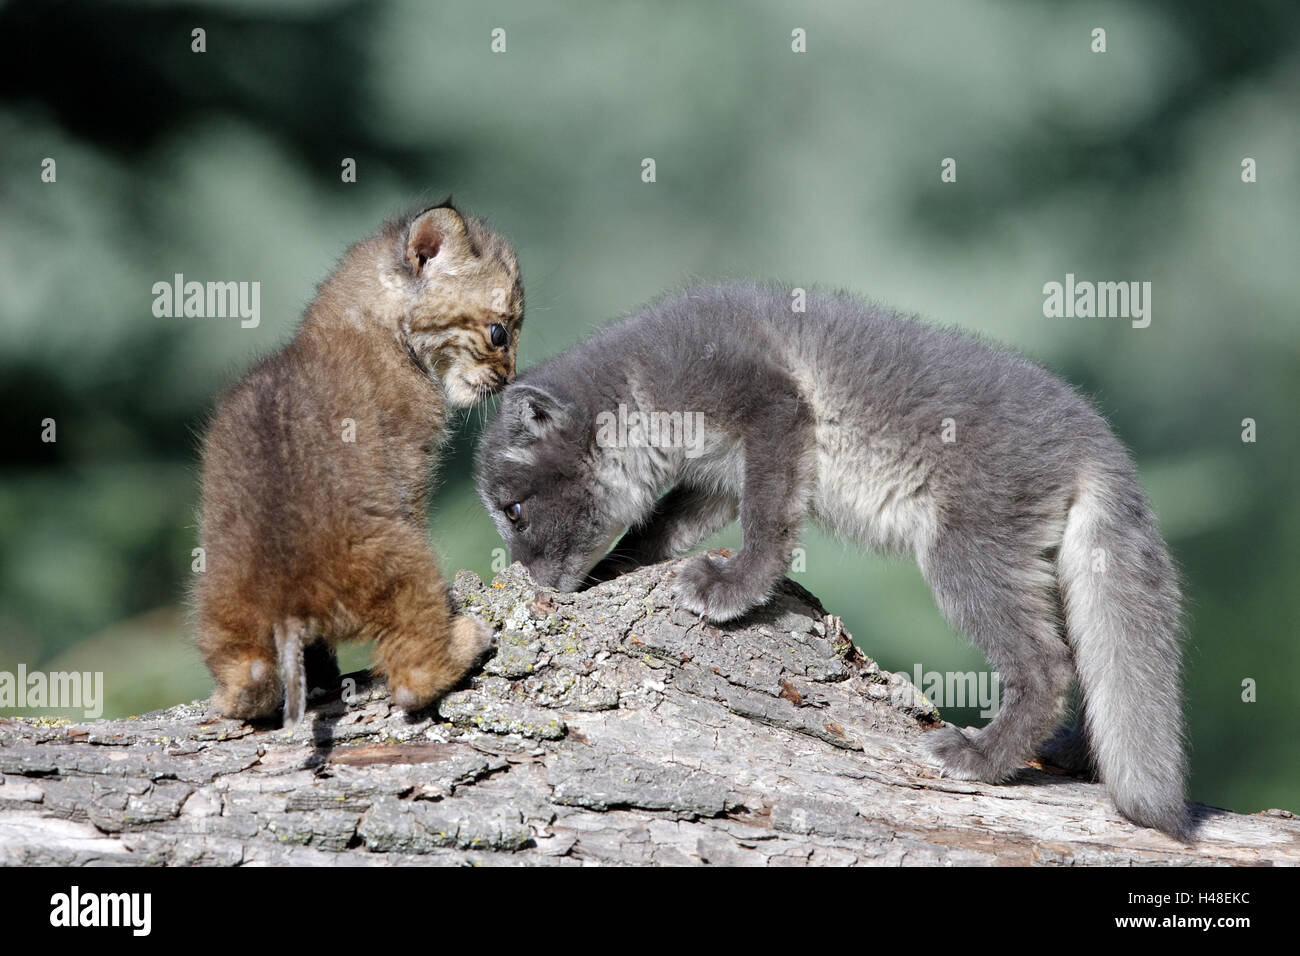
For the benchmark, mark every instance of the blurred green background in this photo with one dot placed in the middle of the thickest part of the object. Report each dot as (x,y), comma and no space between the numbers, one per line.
(813,168)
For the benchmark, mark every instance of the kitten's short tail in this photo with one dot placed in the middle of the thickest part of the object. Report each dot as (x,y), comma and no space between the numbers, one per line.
(1122,619)
(293,672)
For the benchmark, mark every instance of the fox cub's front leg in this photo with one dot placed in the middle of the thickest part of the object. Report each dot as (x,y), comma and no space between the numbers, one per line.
(682,519)
(773,506)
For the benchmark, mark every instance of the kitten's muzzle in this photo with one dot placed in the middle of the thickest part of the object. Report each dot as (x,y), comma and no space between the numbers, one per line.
(494,380)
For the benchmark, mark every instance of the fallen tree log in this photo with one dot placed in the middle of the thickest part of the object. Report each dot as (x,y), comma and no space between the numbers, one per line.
(607,728)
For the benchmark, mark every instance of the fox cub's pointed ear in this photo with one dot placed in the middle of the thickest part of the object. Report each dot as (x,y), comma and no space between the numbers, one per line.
(436,236)
(535,410)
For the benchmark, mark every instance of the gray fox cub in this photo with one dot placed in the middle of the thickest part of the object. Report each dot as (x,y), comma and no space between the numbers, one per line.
(1010,491)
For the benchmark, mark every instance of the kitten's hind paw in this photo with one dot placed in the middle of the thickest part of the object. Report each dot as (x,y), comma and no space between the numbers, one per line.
(251,690)
(957,754)
(715,590)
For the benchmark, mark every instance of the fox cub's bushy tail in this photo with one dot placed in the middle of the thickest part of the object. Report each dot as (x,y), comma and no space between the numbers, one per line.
(1122,618)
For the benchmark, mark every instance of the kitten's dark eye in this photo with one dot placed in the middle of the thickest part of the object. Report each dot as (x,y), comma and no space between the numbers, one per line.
(499,335)
(514,511)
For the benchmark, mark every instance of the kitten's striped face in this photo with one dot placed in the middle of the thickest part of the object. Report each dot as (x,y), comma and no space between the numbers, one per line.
(481,353)
(468,304)
(469,339)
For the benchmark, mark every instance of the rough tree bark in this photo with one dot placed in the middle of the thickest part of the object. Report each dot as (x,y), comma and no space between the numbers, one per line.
(607,728)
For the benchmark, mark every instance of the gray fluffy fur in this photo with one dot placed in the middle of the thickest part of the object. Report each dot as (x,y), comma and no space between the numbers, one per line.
(1030,528)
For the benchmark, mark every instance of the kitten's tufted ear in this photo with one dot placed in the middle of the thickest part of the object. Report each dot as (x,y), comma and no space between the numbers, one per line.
(437,238)
(536,410)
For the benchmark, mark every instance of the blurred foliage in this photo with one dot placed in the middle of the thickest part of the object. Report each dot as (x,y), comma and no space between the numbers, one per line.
(819,168)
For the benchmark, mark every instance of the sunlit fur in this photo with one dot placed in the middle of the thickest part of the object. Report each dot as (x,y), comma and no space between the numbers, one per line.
(1029,524)
(317,469)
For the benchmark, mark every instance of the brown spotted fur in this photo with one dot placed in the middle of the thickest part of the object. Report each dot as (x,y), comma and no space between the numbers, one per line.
(309,537)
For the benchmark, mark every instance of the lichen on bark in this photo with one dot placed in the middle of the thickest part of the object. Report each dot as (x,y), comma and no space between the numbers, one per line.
(607,727)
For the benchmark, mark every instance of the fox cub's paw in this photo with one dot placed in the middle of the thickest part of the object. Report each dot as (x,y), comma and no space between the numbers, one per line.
(714,589)
(607,569)
(958,755)
(1069,750)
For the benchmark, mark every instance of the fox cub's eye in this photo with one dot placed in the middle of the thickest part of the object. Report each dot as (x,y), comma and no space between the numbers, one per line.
(499,335)
(515,510)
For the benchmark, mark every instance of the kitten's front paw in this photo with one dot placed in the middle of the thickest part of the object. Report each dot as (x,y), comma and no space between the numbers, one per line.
(415,688)
(714,589)
(472,638)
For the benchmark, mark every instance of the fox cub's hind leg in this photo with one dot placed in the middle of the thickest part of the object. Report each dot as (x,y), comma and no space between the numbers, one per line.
(1070,747)
(421,649)
(1007,608)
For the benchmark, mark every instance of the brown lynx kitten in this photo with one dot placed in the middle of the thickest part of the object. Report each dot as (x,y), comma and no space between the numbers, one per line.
(318,465)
